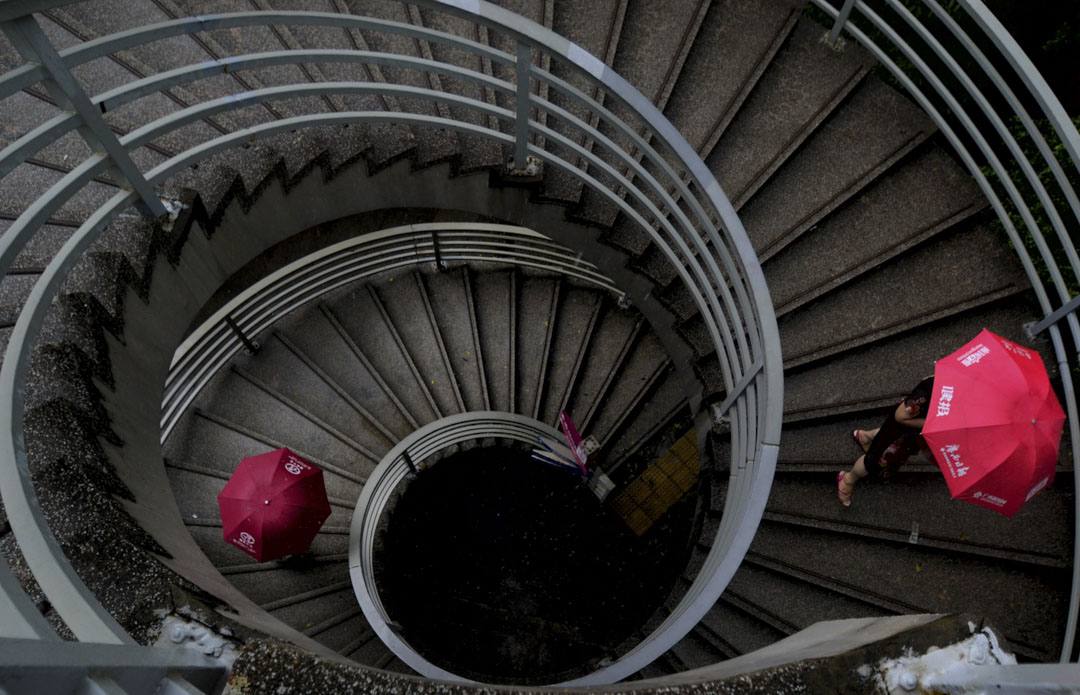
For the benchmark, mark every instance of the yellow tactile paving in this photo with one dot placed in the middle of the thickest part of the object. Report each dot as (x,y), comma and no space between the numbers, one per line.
(660,486)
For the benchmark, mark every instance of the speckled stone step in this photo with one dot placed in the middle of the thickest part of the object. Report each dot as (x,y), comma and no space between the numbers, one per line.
(735,44)
(961,272)
(538,303)
(876,122)
(495,306)
(801,86)
(453,303)
(363,321)
(1026,607)
(409,310)
(575,327)
(918,509)
(877,374)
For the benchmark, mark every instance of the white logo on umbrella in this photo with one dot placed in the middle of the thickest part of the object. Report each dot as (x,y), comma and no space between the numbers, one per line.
(294,467)
(987,497)
(246,539)
(1038,486)
(974,355)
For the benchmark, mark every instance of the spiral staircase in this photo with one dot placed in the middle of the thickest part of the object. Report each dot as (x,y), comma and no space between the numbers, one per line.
(512,289)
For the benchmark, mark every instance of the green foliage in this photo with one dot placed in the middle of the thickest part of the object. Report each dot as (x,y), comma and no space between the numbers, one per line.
(1038,212)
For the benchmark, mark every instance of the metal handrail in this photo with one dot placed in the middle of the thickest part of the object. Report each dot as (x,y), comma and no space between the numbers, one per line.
(663,188)
(214,342)
(955,114)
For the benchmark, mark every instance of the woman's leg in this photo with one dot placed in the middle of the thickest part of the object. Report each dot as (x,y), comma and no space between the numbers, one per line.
(846,484)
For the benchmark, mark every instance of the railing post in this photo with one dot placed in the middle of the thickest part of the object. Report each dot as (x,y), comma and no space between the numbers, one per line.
(409,462)
(251,345)
(521,132)
(841,20)
(30,41)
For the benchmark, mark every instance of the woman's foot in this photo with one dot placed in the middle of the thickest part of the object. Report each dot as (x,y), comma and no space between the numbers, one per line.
(843,488)
(862,439)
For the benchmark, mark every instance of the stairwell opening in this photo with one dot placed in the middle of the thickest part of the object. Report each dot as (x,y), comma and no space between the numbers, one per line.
(503,570)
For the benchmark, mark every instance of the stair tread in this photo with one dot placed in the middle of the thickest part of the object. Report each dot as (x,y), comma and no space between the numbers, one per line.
(792,601)
(312,333)
(1026,607)
(449,302)
(733,39)
(963,269)
(922,197)
(800,88)
(361,318)
(875,121)
(1040,529)
(614,328)
(280,369)
(572,329)
(492,293)
(404,302)
(874,375)
(537,307)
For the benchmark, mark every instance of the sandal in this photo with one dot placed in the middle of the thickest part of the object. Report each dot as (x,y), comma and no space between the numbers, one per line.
(856,435)
(845,497)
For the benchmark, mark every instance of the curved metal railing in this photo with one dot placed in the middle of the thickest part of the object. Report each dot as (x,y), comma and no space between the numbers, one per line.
(214,342)
(972,78)
(633,159)
(379,489)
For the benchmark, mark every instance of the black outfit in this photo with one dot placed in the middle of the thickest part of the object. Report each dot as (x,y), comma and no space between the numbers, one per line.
(895,442)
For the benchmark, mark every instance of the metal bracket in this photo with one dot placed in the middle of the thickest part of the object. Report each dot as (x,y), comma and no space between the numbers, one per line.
(251,345)
(720,411)
(440,264)
(1055,316)
(409,462)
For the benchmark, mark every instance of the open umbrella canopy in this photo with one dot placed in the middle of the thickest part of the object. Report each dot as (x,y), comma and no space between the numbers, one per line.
(994,423)
(273,505)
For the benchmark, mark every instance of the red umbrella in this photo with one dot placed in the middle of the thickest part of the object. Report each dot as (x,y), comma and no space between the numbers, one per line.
(273,505)
(994,423)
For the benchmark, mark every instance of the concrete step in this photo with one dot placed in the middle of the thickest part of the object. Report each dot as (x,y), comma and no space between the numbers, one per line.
(650,28)
(317,337)
(638,375)
(737,40)
(409,310)
(922,197)
(801,86)
(432,145)
(613,342)
(732,632)
(213,442)
(362,317)
(451,298)
(878,374)
(596,27)
(924,580)
(538,303)
(27,182)
(658,407)
(791,605)
(476,153)
(575,328)
(294,376)
(494,293)
(917,509)
(965,270)
(876,122)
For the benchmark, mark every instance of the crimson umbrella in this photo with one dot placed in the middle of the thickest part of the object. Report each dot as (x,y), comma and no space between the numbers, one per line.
(273,505)
(994,423)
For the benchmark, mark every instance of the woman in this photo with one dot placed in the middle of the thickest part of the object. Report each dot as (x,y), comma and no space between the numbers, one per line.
(890,445)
